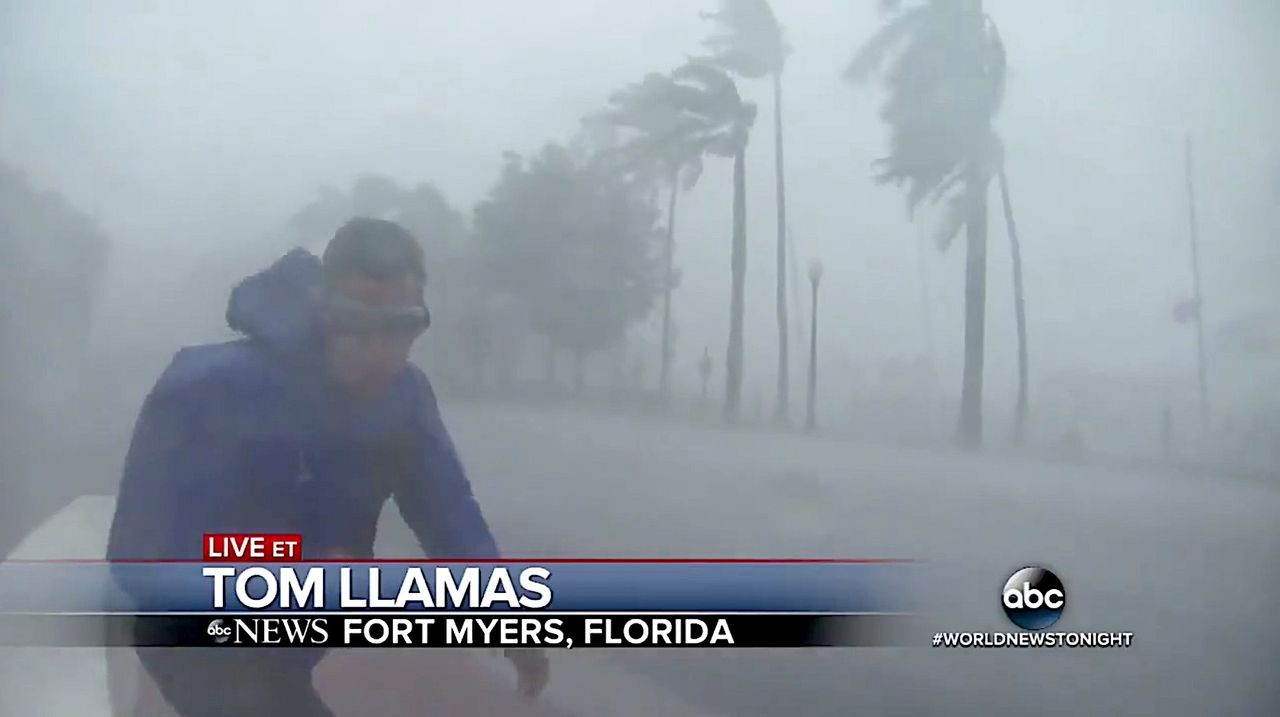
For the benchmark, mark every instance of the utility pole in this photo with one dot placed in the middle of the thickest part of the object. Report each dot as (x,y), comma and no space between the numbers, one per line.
(1198,296)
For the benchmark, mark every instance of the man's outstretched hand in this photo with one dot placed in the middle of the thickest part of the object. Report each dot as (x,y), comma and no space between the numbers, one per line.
(533,670)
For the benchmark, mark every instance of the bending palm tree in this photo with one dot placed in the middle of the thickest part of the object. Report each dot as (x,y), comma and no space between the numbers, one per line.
(945,82)
(713,95)
(1019,308)
(664,145)
(749,43)
(697,110)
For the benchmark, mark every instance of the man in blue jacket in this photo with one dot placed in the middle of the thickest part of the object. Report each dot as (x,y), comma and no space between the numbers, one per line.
(307,425)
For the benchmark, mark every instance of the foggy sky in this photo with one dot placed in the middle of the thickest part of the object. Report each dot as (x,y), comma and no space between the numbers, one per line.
(191,127)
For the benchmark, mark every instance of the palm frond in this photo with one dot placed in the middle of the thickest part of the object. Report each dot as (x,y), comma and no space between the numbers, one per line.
(949,183)
(666,123)
(692,173)
(943,68)
(873,54)
(748,40)
(954,217)
(714,82)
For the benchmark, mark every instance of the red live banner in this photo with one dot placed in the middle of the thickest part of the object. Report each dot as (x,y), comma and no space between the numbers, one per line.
(252,548)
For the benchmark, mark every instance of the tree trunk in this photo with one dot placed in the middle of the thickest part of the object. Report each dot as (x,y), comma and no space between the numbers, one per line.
(795,305)
(1019,312)
(738,266)
(975,308)
(664,371)
(782,402)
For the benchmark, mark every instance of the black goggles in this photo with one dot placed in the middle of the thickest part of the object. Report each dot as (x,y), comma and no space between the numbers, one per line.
(346,316)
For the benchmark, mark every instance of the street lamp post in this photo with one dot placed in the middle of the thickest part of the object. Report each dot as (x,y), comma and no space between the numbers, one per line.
(815,276)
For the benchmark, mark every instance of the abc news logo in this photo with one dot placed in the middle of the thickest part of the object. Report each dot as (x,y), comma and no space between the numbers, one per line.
(269,631)
(1033,598)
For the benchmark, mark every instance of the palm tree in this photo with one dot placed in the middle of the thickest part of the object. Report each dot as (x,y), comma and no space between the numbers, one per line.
(697,110)
(1019,306)
(748,42)
(711,94)
(663,145)
(945,82)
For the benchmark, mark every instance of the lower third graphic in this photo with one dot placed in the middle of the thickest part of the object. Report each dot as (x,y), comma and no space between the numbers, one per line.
(1033,639)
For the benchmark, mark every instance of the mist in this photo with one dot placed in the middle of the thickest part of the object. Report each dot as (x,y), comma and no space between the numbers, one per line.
(196,143)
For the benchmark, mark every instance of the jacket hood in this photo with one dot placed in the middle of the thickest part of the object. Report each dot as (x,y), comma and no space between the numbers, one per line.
(276,307)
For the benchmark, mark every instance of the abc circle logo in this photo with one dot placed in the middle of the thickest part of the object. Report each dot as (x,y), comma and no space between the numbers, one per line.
(1033,598)
(218,631)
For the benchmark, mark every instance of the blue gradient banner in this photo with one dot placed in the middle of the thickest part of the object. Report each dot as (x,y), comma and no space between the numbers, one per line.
(826,587)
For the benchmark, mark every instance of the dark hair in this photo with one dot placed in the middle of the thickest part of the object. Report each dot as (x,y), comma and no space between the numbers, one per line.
(374,247)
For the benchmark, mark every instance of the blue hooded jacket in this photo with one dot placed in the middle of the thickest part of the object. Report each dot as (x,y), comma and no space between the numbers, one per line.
(250,437)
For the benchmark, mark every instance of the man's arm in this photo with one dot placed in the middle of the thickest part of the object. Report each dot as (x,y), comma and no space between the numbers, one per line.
(435,499)
(146,503)
(438,504)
